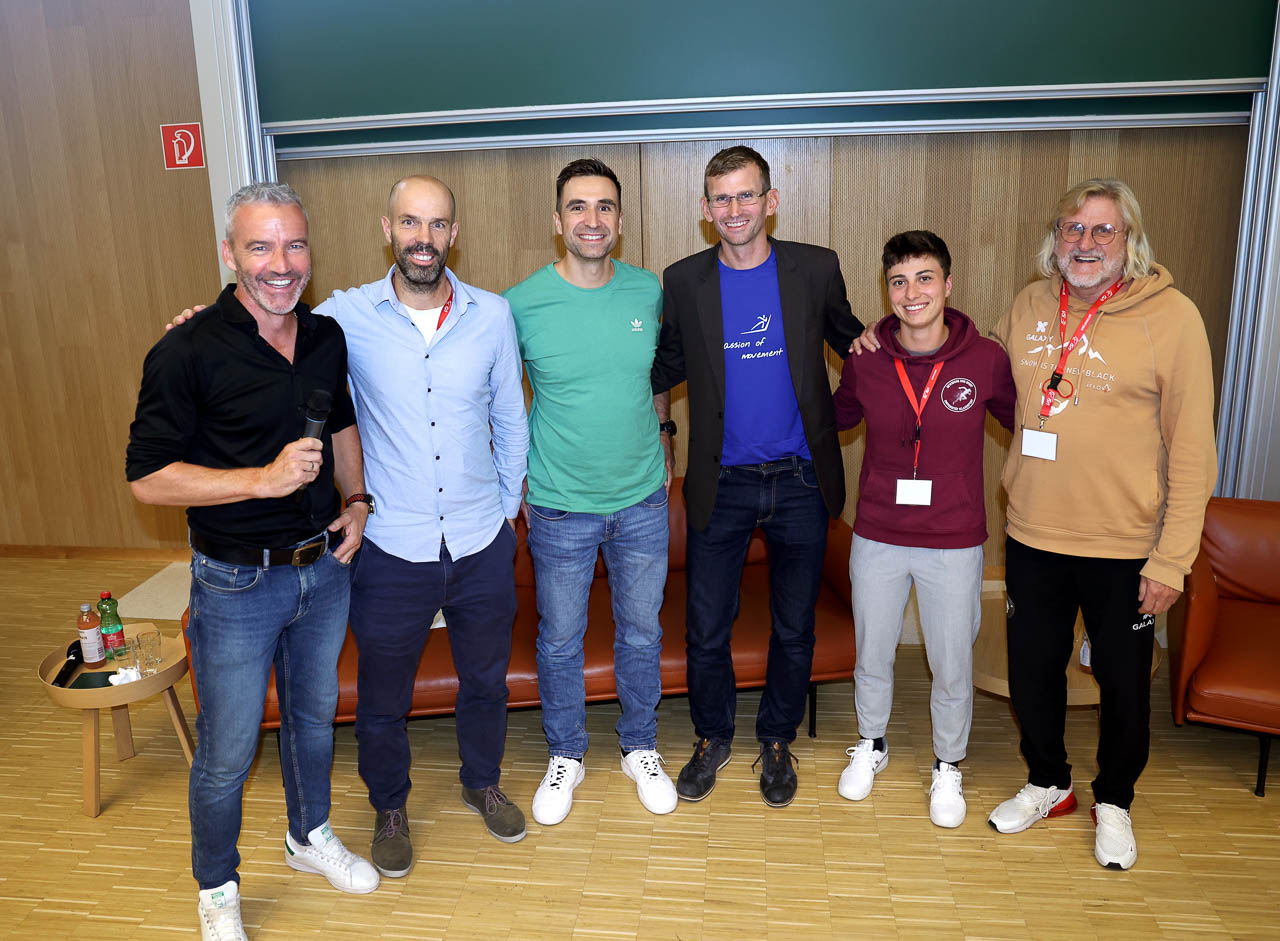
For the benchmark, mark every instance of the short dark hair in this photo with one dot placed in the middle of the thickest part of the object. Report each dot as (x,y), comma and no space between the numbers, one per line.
(917,243)
(735,158)
(586,166)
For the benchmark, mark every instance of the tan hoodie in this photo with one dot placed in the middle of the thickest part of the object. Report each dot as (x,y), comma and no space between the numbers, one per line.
(1136,458)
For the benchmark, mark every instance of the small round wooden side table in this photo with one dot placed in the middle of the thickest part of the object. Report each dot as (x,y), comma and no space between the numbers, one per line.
(173,667)
(991,656)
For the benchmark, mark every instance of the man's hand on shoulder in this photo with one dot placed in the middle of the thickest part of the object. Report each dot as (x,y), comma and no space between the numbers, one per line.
(1155,597)
(183,317)
(867,342)
(295,466)
(352,523)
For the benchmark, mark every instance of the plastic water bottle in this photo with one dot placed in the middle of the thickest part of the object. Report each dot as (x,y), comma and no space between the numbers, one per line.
(91,646)
(112,628)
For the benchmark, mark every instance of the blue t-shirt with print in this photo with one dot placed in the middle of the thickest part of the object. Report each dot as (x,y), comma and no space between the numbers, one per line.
(761,415)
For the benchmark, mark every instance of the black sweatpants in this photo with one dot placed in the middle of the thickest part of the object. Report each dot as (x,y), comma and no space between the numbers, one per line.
(1045,589)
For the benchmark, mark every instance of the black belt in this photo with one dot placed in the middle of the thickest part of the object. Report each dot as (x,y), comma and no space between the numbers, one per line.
(233,554)
(768,467)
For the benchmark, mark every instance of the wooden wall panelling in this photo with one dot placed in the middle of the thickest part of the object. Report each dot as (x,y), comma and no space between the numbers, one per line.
(1193,215)
(100,246)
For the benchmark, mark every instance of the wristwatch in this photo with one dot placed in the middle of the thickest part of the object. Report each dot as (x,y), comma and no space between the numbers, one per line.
(667,427)
(361,498)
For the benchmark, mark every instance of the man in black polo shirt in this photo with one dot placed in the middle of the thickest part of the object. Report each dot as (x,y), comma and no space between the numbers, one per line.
(217,429)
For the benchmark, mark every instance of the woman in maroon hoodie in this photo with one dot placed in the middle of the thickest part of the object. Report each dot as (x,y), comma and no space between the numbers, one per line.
(921,517)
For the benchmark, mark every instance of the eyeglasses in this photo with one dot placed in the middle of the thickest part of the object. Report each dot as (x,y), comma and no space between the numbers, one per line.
(1103,233)
(722,200)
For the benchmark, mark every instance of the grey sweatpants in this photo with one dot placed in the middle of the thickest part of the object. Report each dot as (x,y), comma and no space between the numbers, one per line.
(949,589)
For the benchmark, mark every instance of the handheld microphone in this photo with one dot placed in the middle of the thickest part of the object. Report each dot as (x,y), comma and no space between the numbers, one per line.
(74,659)
(317,413)
(318,404)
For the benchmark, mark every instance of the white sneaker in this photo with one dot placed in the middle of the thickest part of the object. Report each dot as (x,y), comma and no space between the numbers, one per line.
(554,797)
(946,797)
(219,911)
(1113,843)
(656,791)
(1031,804)
(865,762)
(326,855)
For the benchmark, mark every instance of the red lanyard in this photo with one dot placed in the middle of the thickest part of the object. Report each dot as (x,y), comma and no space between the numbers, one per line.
(918,408)
(1051,388)
(444,311)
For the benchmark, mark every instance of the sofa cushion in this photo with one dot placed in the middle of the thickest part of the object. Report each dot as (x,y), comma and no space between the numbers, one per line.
(1242,541)
(1238,682)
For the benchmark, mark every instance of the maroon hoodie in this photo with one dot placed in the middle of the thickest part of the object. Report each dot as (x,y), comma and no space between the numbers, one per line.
(975,379)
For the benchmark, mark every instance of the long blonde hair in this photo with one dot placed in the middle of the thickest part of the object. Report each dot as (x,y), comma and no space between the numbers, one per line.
(1138,256)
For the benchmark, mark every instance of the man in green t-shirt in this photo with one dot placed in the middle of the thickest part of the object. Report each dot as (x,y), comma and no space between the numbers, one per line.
(599,469)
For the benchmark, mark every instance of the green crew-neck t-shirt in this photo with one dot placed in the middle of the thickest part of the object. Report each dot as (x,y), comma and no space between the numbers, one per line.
(593,433)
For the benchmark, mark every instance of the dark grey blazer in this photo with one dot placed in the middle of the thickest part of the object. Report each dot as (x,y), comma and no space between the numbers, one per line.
(691,347)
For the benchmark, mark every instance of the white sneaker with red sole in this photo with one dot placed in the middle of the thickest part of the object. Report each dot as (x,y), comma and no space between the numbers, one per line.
(1032,804)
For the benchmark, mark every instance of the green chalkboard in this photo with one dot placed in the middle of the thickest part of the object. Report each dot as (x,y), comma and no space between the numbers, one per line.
(334,58)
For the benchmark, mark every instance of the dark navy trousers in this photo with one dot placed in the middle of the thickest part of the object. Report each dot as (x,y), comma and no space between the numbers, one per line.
(393,602)
(781,498)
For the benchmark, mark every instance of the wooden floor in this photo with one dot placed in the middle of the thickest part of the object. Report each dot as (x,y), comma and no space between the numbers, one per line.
(725,868)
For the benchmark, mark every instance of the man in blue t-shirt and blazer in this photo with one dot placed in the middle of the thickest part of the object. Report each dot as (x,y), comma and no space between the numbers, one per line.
(744,323)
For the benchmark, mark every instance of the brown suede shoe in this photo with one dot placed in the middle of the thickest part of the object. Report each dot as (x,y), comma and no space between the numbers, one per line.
(392,850)
(501,817)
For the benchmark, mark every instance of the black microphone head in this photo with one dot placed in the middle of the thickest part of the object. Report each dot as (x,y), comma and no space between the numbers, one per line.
(75,657)
(318,404)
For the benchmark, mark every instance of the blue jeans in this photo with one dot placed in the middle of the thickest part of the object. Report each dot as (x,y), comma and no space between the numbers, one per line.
(782,498)
(564,545)
(244,620)
(393,602)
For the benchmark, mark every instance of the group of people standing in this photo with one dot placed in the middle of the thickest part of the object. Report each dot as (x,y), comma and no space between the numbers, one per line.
(1111,463)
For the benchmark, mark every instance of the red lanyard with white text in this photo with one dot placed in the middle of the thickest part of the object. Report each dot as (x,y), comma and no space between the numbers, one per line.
(1064,297)
(444,311)
(924,400)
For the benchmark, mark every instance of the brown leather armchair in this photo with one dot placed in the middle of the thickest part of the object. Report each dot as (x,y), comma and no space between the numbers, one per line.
(1224,633)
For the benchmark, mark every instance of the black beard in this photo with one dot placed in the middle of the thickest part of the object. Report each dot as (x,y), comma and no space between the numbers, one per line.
(415,274)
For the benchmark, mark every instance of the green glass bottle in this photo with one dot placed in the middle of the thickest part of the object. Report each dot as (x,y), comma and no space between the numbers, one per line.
(112,628)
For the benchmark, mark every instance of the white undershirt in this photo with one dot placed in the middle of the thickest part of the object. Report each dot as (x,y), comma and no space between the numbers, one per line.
(425,320)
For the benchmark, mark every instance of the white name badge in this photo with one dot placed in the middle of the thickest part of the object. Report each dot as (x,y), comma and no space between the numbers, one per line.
(915,492)
(1041,444)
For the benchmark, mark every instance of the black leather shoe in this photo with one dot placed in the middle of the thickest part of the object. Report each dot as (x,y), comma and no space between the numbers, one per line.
(698,777)
(777,776)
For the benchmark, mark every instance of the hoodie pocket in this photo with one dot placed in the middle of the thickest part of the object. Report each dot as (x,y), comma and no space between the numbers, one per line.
(953,508)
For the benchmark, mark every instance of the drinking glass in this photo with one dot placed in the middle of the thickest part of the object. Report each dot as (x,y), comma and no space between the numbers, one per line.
(148,646)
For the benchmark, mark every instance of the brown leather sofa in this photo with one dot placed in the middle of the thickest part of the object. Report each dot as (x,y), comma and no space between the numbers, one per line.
(1224,633)
(436,687)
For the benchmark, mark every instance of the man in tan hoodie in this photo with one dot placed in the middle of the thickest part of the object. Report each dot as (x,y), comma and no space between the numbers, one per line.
(1110,467)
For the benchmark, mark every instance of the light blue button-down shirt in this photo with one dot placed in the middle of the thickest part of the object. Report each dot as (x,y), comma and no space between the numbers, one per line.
(442,424)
